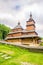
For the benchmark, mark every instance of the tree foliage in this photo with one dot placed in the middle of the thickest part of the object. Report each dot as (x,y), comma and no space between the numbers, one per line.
(4,30)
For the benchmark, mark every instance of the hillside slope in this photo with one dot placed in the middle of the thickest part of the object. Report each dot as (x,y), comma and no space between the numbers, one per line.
(13,55)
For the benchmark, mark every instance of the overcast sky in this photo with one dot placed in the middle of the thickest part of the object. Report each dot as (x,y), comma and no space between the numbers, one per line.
(12,11)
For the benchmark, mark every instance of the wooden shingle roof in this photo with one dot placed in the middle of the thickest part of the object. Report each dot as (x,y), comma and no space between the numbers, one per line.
(31,19)
(18,26)
(23,36)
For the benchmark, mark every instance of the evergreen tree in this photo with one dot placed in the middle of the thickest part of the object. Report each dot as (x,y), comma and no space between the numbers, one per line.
(4,30)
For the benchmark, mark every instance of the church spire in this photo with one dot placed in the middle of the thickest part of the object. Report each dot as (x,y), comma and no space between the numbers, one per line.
(18,23)
(18,26)
(30,15)
(30,19)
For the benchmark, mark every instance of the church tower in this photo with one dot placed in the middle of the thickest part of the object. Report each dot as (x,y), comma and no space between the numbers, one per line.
(30,26)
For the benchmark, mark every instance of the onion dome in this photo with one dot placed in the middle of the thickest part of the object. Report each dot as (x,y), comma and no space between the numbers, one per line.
(30,19)
(18,26)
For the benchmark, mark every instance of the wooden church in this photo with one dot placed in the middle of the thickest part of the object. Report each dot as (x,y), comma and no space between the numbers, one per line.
(27,36)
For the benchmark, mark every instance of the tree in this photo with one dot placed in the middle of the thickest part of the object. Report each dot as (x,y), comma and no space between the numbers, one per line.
(4,34)
(4,30)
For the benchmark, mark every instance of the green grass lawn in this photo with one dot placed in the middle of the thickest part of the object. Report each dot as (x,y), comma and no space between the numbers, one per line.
(41,44)
(19,55)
